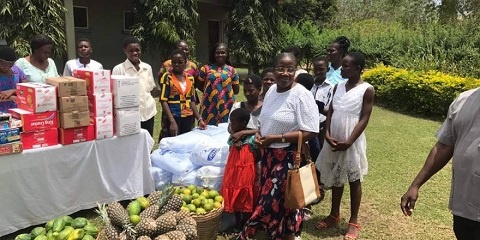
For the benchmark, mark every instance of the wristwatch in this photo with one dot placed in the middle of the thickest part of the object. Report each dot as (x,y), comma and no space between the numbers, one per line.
(283,137)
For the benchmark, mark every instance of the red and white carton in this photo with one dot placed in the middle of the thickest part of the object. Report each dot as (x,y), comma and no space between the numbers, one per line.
(100,104)
(11,148)
(127,121)
(38,139)
(98,81)
(35,121)
(76,135)
(126,91)
(36,97)
(103,127)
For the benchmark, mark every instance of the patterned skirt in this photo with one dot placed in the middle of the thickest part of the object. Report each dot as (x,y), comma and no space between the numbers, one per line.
(269,214)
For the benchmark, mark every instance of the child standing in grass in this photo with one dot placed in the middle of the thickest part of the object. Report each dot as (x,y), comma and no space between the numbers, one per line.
(344,158)
(177,96)
(239,178)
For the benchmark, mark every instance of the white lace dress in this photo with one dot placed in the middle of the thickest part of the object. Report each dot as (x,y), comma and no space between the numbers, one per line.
(336,168)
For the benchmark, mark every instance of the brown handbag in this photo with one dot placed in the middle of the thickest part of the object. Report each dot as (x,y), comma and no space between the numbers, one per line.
(302,185)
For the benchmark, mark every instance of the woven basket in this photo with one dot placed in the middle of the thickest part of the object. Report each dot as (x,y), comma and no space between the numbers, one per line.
(208,224)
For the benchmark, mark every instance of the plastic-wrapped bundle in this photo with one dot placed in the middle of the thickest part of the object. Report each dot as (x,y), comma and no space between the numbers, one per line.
(185,179)
(173,162)
(211,177)
(210,153)
(183,143)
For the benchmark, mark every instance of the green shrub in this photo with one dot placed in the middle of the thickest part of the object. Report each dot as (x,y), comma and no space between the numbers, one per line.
(427,93)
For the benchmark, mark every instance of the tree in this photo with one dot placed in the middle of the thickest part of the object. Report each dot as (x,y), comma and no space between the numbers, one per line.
(306,36)
(253,31)
(159,23)
(316,11)
(23,19)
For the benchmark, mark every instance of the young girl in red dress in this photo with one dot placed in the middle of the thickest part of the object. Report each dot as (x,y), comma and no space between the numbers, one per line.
(239,177)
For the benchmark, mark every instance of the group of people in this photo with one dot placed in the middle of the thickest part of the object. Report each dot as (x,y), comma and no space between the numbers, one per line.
(330,109)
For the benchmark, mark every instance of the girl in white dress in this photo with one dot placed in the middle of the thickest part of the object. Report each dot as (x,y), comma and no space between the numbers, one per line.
(344,158)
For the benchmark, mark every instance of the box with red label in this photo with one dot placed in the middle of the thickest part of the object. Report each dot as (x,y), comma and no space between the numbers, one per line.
(76,135)
(103,127)
(35,121)
(127,121)
(68,86)
(11,148)
(125,91)
(98,81)
(74,119)
(38,139)
(73,103)
(100,104)
(36,97)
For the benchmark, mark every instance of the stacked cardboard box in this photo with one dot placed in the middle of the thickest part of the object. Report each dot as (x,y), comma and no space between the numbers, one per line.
(37,112)
(73,110)
(126,102)
(99,100)
(9,136)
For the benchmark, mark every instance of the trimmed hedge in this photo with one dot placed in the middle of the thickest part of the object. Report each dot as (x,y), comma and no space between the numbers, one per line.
(426,93)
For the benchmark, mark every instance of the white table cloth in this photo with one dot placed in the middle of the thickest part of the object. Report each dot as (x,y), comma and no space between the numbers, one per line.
(41,184)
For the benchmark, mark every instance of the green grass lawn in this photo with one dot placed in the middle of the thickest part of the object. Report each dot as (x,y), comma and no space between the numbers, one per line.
(397,147)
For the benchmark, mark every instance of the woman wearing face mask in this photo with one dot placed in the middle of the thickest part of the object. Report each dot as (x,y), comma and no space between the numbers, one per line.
(38,65)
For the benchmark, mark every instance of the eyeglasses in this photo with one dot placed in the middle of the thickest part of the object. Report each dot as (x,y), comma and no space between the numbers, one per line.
(283,69)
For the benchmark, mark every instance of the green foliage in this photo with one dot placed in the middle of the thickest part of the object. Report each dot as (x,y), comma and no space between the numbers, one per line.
(317,11)
(306,36)
(160,23)
(427,93)
(23,19)
(252,31)
(453,48)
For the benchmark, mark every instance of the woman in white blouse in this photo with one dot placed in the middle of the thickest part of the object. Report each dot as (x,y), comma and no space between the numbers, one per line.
(288,108)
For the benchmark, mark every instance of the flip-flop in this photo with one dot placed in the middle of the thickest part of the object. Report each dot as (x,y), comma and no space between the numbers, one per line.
(351,236)
(322,224)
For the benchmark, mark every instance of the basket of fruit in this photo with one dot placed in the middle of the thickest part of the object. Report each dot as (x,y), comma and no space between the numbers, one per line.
(205,206)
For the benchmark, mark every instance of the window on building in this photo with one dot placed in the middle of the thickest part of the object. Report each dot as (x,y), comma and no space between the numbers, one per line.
(127,20)
(80,17)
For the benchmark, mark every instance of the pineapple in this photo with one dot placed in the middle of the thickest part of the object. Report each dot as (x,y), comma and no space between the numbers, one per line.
(154,197)
(188,221)
(144,238)
(117,214)
(112,232)
(176,235)
(116,219)
(166,222)
(173,204)
(182,214)
(146,227)
(189,230)
(163,237)
(151,212)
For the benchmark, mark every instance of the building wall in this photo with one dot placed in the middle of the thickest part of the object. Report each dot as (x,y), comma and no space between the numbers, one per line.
(106,31)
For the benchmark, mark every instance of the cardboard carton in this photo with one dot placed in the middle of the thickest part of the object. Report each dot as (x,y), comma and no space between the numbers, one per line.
(125,91)
(73,103)
(35,121)
(36,97)
(76,135)
(38,139)
(100,104)
(74,119)
(98,81)
(68,86)
(103,127)
(9,135)
(127,121)
(11,148)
